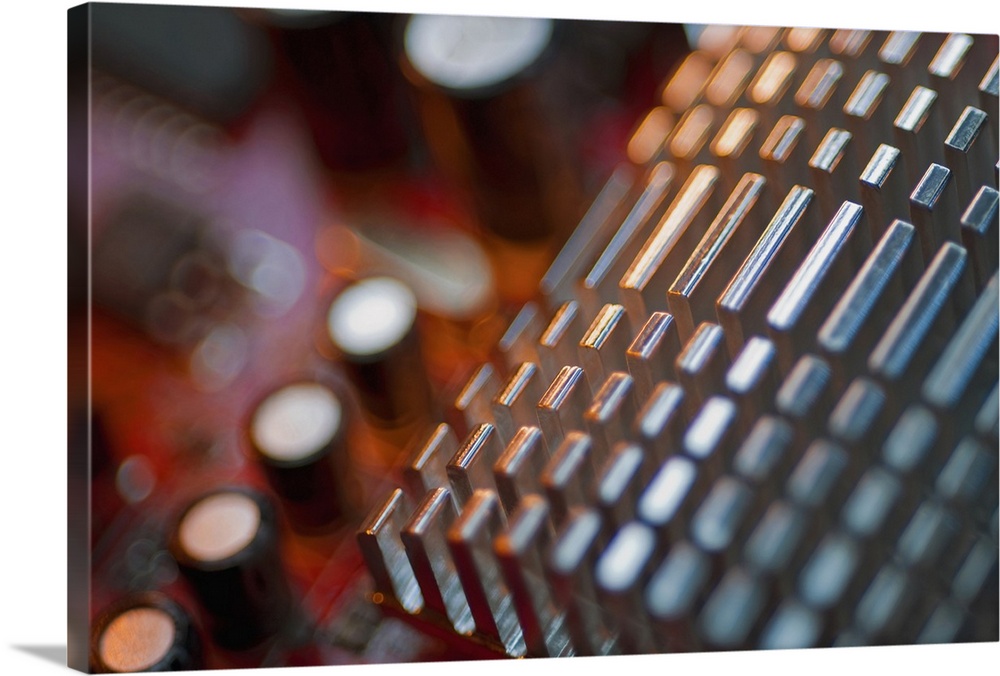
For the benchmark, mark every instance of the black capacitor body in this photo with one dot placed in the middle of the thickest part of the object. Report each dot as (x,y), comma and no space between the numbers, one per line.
(247,595)
(391,382)
(500,142)
(392,385)
(339,66)
(313,488)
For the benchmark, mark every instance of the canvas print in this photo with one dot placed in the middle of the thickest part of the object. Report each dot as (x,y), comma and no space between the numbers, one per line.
(401,338)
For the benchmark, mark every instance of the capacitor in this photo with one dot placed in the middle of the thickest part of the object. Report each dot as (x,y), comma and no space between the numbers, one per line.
(298,435)
(226,546)
(478,82)
(145,632)
(373,325)
(339,68)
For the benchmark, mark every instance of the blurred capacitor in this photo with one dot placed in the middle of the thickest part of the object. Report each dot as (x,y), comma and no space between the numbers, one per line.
(298,433)
(477,82)
(341,71)
(226,546)
(373,325)
(145,632)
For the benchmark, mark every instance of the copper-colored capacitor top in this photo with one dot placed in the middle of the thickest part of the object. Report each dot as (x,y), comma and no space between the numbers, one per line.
(219,526)
(296,422)
(226,545)
(137,639)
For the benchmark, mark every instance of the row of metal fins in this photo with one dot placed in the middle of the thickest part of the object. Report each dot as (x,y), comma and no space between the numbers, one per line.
(755,404)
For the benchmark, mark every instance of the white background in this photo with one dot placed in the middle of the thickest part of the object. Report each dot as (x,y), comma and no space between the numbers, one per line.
(33,325)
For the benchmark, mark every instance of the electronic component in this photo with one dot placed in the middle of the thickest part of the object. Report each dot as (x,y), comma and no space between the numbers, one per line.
(226,545)
(472,74)
(800,466)
(145,632)
(373,325)
(299,433)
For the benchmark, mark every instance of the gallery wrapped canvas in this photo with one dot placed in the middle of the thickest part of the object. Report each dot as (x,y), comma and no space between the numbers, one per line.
(412,337)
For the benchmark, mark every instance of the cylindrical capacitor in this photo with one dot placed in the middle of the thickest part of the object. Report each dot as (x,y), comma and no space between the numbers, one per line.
(373,325)
(478,89)
(226,546)
(298,434)
(339,67)
(144,632)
